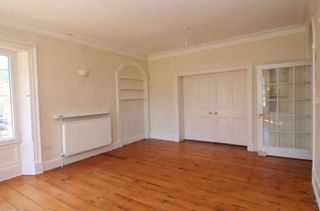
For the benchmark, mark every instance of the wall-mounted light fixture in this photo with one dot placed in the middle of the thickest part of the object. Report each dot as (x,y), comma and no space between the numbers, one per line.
(83,73)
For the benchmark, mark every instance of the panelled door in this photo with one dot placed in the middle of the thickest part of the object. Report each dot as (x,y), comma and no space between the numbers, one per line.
(198,106)
(215,107)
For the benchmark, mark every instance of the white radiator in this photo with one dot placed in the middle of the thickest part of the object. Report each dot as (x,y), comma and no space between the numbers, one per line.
(85,133)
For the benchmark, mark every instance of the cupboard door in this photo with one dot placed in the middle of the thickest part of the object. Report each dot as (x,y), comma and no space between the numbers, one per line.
(215,108)
(197,107)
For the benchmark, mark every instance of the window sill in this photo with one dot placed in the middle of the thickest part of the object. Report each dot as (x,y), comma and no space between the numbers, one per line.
(9,142)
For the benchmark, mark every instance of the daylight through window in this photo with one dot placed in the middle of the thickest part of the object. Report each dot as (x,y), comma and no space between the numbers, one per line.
(6,120)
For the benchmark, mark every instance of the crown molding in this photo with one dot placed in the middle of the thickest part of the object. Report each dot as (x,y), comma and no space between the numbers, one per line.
(71,38)
(165,54)
(279,32)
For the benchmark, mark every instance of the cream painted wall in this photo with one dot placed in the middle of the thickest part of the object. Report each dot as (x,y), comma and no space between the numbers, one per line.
(61,90)
(163,111)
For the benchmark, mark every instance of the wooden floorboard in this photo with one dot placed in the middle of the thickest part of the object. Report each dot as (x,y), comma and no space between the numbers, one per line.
(161,175)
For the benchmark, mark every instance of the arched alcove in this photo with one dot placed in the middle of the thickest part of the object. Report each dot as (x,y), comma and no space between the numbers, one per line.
(132,103)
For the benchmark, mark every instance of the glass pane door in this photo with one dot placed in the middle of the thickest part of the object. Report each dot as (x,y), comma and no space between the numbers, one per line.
(287,110)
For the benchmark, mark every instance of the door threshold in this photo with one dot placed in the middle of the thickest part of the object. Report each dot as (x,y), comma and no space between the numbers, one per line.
(217,143)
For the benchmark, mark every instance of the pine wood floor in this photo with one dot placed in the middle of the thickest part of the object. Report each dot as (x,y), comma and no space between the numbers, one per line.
(159,175)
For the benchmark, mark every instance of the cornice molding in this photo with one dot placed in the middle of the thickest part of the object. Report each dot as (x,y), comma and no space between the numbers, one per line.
(229,42)
(165,54)
(71,38)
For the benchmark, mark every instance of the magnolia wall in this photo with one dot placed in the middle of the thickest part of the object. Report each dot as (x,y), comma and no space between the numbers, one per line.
(163,111)
(62,90)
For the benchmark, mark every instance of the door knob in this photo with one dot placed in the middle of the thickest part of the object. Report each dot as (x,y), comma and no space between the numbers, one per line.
(215,113)
(210,112)
(259,115)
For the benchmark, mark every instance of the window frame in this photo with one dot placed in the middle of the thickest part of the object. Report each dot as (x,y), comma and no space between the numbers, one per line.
(12,66)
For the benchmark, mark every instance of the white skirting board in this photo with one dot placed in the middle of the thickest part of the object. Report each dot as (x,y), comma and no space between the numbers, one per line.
(56,162)
(316,187)
(32,168)
(164,137)
(133,139)
(10,172)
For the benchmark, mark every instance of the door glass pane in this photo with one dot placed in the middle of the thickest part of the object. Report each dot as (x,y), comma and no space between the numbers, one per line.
(285,108)
(285,92)
(270,107)
(269,76)
(270,104)
(286,123)
(303,141)
(286,140)
(270,139)
(270,92)
(303,108)
(303,91)
(6,122)
(303,124)
(303,74)
(285,75)
(270,123)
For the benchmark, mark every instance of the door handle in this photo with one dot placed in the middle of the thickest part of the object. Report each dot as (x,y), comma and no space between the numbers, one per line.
(210,112)
(215,113)
(260,115)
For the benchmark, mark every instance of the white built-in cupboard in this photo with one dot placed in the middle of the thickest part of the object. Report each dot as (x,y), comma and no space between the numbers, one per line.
(215,107)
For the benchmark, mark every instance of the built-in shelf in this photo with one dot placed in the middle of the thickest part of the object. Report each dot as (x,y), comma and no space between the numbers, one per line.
(79,115)
(134,79)
(127,99)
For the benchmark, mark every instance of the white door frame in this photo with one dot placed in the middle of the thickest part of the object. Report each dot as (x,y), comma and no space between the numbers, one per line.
(314,92)
(277,152)
(144,73)
(37,166)
(179,100)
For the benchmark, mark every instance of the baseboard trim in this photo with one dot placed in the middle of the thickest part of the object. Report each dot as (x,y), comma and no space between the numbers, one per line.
(133,139)
(10,172)
(51,164)
(32,168)
(56,162)
(163,137)
(316,187)
(116,145)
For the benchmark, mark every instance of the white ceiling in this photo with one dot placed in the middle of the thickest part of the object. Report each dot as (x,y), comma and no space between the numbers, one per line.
(152,26)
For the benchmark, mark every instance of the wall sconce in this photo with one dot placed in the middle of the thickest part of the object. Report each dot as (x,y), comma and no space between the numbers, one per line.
(83,73)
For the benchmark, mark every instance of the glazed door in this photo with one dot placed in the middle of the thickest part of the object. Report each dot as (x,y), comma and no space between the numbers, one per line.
(285,110)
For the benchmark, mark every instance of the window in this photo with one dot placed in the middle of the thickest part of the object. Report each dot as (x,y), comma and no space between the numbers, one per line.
(6,110)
